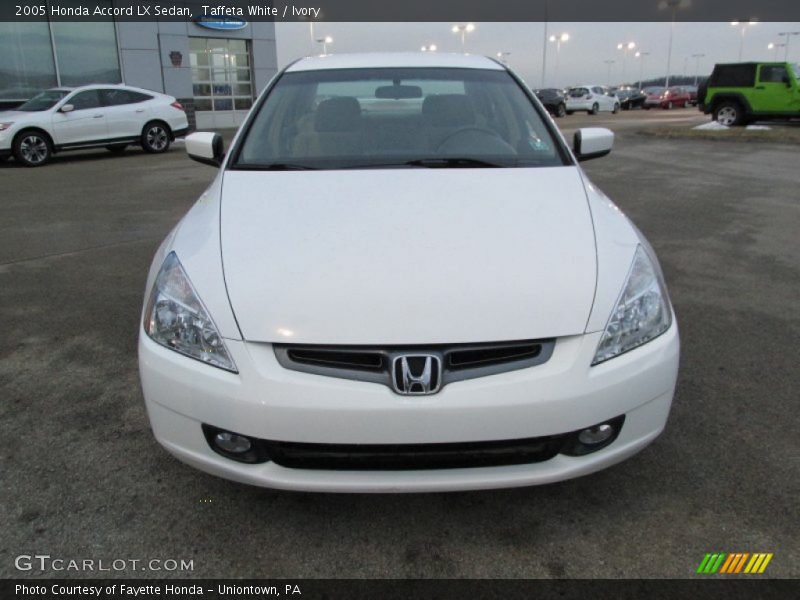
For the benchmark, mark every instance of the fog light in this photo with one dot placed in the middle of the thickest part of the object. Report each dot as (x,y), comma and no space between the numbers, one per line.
(231,442)
(596,435)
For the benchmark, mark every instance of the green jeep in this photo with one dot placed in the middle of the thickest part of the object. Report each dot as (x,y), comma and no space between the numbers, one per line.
(739,93)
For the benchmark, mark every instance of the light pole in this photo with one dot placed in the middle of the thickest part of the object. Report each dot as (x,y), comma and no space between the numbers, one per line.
(430,48)
(311,35)
(325,41)
(608,75)
(673,5)
(697,58)
(463,30)
(561,37)
(625,47)
(640,55)
(742,25)
(503,56)
(788,35)
(772,46)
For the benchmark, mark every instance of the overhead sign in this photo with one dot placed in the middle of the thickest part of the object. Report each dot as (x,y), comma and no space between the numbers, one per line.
(221,24)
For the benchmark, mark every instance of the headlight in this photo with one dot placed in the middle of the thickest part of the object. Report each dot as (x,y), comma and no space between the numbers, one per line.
(176,318)
(641,314)
(4,126)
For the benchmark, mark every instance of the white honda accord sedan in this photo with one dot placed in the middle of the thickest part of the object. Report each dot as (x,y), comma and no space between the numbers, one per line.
(401,280)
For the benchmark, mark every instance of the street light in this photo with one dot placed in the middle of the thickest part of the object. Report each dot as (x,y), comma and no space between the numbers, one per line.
(430,48)
(503,56)
(625,47)
(608,75)
(463,30)
(742,25)
(673,5)
(325,41)
(697,58)
(561,37)
(774,46)
(640,55)
(788,35)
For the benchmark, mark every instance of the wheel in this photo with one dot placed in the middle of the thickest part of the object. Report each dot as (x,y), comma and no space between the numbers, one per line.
(117,148)
(668,105)
(561,110)
(595,109)
(616,109)
(32,148)
(729,114)
(155,137)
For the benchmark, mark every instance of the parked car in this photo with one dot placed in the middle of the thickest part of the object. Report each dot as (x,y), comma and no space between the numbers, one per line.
(91,116)
(630,98)
(592,99)
(553,100)
(739,93)
(660,97)
(692,91)
(360,339)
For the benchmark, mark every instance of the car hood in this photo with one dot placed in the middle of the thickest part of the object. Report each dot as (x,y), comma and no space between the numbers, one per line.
(12,115)
(408,256)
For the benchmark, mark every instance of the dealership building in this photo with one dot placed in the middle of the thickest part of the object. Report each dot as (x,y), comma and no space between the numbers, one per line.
(214,68)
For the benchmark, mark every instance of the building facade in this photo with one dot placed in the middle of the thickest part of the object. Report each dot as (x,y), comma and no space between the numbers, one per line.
(215,73)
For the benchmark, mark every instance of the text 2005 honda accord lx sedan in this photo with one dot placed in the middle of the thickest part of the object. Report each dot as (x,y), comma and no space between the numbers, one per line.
(401,280)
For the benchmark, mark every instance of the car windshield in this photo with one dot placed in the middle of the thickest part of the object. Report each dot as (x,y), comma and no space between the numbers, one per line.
(578,92)
(397,117)
(43,101)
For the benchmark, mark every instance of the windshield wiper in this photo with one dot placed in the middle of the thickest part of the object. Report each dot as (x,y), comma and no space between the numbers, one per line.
(453,162)
(276,167)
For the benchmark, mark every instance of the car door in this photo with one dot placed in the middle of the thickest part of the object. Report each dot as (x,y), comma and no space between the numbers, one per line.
(126,112)
(86,123)
(772,93)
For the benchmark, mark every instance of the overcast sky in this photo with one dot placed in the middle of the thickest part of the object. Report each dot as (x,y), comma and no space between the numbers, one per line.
(581,59)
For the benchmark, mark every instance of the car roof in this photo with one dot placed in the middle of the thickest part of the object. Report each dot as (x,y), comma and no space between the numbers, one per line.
(394,59)
(105,86)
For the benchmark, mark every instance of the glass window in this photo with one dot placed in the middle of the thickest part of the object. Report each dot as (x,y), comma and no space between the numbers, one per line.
(26,66)
(85,100)
(220,74)
(773,74)
(361,118)
(43,101)
(86,52)
(117,97)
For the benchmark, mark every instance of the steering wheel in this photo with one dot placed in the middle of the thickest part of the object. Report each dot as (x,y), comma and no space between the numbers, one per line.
(491,137)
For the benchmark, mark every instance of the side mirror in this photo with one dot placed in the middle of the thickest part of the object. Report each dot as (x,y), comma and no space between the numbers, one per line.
(67,108)
(592,142)
(206,147)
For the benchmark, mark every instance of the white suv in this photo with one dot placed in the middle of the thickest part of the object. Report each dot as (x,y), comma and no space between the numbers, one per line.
(111,116)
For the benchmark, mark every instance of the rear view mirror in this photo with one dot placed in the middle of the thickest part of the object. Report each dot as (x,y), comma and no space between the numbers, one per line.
(206,147)
(592,142)
(67,108)
(398,92)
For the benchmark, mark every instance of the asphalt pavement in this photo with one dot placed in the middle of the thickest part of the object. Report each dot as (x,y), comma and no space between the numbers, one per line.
(82,477)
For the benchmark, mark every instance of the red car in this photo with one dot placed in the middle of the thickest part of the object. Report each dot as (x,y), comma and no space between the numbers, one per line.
(666,98)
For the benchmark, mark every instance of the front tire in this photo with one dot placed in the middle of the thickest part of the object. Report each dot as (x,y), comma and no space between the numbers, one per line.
(616,109)
(595,109)
(561,111)
(668,106)
(729,114)
(32,149)
(156,137)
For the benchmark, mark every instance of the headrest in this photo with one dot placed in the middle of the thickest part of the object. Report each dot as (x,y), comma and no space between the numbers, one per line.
(448,110)
(338,114)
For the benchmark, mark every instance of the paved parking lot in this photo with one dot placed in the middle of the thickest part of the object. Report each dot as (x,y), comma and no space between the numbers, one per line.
(82,477)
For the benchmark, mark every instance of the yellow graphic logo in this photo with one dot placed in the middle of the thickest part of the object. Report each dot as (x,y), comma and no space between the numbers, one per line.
(736,562)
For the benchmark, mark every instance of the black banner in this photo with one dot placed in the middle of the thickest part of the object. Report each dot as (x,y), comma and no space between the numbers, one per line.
(747,587)
(233,11)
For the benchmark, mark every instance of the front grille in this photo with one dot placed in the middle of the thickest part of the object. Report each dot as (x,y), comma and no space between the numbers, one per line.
(374,363)
(397,457)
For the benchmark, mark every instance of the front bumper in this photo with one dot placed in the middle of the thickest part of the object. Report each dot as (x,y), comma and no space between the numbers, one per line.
(267,401)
